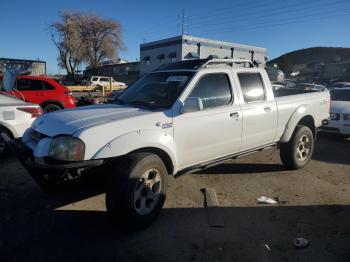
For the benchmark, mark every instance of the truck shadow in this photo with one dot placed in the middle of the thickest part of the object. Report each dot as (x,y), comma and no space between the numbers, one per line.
(242,168)
(183,234)
(332,148)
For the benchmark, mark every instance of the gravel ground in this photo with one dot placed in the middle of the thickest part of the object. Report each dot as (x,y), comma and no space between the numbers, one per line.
(73,225)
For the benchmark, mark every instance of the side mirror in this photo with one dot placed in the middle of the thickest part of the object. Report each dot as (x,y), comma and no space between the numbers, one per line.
(191,104)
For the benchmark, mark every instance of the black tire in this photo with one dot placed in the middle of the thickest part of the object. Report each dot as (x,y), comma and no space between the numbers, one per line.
(51,107)
(127,190)
(298,151)
(3,147)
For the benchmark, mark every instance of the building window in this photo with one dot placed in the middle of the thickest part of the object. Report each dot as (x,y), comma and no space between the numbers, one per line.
(147,60)
(172,56)
(161,58)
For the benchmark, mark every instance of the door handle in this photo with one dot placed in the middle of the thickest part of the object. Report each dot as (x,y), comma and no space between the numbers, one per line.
(267,109)
(235,114)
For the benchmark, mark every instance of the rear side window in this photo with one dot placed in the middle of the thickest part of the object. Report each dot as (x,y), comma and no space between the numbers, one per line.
(252,87)
(214,90)
(29,85)
(48,86)
(94,79)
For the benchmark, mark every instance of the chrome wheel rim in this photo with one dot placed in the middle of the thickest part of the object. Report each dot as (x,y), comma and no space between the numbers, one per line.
(2,145)
(303,148)
(147,192)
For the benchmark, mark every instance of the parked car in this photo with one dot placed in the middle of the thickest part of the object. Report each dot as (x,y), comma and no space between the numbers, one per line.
(339,120)
(15,117)
(44,91)
(339,85)
(185,116)
(102,81)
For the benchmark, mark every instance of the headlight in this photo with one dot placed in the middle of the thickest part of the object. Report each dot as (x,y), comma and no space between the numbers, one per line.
(346,117)
(67,148)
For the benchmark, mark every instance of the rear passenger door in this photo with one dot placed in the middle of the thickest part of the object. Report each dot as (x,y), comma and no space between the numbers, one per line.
(258,111)
(32,90)
(213,132)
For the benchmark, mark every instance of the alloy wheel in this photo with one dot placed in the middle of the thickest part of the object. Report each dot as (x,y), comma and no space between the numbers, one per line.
(147,192)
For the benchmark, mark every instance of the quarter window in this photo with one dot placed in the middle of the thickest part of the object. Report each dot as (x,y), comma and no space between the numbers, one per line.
(214,90)
(48,86)
(29,85)
(252,87)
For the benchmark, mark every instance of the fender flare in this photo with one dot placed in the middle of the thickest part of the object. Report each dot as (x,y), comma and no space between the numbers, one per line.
(136,141)
(300,113)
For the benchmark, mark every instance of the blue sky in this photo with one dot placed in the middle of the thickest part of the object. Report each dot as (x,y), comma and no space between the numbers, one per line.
(280,26)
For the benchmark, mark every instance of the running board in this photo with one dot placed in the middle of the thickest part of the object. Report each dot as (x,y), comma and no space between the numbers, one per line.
(221,160)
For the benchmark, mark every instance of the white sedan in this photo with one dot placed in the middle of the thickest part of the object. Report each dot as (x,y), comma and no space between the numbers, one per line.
(339,121)
(15,117)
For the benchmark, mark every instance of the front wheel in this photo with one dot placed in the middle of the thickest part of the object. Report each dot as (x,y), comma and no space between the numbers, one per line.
(137,189)
(297,152)
(3,146)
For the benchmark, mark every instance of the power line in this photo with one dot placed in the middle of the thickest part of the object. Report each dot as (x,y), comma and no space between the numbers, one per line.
(242,29)
(291,8)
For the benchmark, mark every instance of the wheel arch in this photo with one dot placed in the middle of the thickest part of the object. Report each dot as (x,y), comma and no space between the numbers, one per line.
(163,155)
(301,116)
(56,102)
(7,130)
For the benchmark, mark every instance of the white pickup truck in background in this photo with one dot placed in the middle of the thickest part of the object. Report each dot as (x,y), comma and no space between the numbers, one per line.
(185,116)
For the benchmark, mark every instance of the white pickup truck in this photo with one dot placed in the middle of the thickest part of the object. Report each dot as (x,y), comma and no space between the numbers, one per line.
(183,117)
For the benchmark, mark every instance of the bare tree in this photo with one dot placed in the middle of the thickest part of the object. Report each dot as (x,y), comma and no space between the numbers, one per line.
(66,35)
(85,38)
(102,38)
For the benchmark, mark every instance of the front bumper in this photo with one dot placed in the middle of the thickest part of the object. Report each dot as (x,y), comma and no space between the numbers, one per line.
(45,166)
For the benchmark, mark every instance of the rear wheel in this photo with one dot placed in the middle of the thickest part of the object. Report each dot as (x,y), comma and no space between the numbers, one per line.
(137,190)
(297,152)
(51,108)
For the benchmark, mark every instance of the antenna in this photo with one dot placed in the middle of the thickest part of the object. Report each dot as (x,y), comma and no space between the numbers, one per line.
(183,22)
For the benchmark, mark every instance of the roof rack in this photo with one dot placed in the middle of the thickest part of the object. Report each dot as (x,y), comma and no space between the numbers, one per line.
(227,61)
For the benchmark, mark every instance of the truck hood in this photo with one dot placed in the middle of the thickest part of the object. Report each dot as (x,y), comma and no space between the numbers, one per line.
(340,107)
(67,122)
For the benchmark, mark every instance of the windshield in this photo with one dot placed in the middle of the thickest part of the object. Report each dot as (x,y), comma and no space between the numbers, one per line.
(340,95)
(156,90)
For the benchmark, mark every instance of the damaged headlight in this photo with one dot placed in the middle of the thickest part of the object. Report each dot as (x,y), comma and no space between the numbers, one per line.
(67,148)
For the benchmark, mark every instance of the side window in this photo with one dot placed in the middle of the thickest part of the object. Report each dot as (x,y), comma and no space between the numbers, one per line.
(252,87)
(214,90)
(29,85)
(94,79)
(104,79)
(48,86)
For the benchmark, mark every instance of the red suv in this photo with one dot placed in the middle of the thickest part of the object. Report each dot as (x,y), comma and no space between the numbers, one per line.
(45,91)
